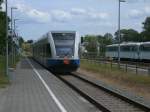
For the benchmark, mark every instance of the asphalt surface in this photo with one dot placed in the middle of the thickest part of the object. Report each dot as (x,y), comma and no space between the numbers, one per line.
(34,89)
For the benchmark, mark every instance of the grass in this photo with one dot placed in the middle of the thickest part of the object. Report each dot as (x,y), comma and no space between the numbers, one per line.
(3,78)
(105,70)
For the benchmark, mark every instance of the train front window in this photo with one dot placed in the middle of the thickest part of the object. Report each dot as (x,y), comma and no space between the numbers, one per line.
(64,51)
(64,43)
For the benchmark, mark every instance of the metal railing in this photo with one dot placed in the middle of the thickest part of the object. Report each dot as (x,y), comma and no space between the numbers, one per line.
(128,66)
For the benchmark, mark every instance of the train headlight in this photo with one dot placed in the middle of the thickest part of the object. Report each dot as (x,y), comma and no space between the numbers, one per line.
(66,61)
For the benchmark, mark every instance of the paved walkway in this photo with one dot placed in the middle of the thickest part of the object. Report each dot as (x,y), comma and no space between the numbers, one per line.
(35,89)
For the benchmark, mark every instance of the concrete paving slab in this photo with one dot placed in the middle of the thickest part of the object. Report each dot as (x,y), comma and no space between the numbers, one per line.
(28,94)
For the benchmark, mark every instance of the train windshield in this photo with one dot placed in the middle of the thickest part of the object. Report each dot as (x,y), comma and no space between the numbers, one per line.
(64,44)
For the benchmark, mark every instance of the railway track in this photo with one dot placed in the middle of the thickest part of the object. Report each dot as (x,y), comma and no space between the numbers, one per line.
(103,98)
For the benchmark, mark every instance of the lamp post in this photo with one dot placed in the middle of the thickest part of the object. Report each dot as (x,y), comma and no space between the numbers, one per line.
(119,33)
(6,38)
(12,32)
(15,24)
(15,39)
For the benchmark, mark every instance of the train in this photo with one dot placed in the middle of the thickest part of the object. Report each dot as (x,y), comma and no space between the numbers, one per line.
(58,51)
(129,51)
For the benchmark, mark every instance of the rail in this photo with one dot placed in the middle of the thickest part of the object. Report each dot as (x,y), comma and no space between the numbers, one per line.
(102,97)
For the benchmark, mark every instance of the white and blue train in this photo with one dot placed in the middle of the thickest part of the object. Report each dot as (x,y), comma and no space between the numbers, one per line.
(129,51)
(58,51)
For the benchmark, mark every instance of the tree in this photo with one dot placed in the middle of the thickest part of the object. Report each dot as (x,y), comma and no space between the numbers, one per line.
(1,1)
(145,34)
(128,35)
(103,41)
(30,41)
(21,41)
(27,47)
(92,43)
(97,43)
(2,29)
(147,24)
(108,37)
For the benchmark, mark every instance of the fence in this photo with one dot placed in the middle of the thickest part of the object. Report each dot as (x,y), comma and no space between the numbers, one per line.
(127,66)
(13,57)
(2,65)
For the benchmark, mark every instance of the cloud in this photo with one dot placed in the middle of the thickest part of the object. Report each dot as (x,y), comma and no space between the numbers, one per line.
(29,12)
(78,11)
(137,1)
(134,13)
(40,16)
(147,9)
(138,13)
(35,14)
(89,14)
(98,15)
(60,15)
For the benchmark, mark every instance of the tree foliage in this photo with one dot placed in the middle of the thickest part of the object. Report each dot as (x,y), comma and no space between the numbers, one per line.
(21,41)
(30,41)
(98,41)
(147,24)
(1,1)
(128,35)
(145,34)
(2,30)
(108,38)
(92,43)
(131,35)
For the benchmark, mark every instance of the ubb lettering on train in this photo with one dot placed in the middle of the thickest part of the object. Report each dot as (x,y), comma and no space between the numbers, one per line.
(58,51)
(134,51)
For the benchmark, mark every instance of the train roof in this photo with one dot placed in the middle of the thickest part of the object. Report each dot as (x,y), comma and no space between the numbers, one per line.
(130,43)
(145,43)
(44,37)
(62,31)
(125,43)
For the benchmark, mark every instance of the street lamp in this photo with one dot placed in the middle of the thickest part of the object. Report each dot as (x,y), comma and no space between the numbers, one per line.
(119,33)
(12,8)
(15,39)
(6,38)
(15,24)
(12,32)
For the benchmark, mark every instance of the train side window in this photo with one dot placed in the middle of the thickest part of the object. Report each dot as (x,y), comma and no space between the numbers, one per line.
(42,46)
(48,50)
(129,48)
(145,48)
(40,50)
(114,48)
(44,50)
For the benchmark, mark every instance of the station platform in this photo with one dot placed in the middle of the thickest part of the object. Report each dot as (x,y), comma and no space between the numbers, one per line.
(35,89)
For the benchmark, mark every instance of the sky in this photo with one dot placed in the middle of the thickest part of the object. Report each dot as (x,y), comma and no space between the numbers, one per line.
(36,17)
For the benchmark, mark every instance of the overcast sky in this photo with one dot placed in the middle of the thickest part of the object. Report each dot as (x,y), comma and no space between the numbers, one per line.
(85,16)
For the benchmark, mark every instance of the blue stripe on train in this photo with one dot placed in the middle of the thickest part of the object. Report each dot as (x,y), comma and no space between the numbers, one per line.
(52,62)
